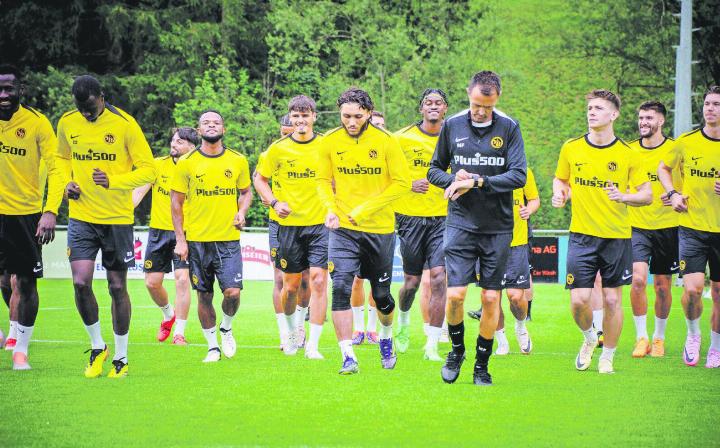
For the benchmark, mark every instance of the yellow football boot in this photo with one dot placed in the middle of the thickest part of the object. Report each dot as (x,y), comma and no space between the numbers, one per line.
(95,366)
(119,370)
(642,348)
(658,348)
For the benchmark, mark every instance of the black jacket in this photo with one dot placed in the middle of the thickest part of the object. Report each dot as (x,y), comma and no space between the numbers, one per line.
(496,152)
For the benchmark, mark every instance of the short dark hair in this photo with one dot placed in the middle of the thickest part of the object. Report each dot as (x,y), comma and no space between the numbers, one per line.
(430,91)
(9,69)
(213,111)
(285,120)
(377,113)
(605,95)
(186,133)
(486,80)
(356,95)
(301,103)
(86,86)
(657,106)
(712,90)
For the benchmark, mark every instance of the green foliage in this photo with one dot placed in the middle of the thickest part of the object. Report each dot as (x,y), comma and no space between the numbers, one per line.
(165,61)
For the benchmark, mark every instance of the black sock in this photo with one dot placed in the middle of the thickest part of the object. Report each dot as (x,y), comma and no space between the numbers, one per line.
(483,351)
(457,337)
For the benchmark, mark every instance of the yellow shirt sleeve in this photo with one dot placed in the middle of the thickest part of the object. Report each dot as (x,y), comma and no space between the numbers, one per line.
(674,156)
(142,159)
(562,171)
(325,179)
(266,164)
(637,175)
(47,142)
(530,190)
(181,179)
(62,155)
(243,179)
(400,183)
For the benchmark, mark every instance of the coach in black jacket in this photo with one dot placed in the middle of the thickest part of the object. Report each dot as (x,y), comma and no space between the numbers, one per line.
(485,153)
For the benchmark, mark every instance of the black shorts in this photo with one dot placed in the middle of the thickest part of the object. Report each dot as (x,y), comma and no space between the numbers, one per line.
(589,254)
(697,250)
(473,257)
(658,248)
(210,260)
(85,239)
(159,255)
(366,255)
(421,242)
(302,247)
(20,252)
(273,229)
(517,269)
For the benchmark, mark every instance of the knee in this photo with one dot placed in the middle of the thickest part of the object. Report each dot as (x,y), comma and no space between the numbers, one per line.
(116,289)
(412,283)
(639,283)
(342,286)
(82,285)
(456,300)
(205,298)
(490,299)
(152,283)
(317,281)
(612,301)
(182,283)
(291,288)
(516,297)
(437,280)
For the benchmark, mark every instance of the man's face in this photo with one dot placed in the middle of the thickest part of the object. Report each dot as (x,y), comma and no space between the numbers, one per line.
(482,103)
(600,113)
(433,108)
(91,108)
(649,122)
(353,118)
(711,109)
(180,146)
(10,91)
(302,121)
(378,121)
(211,127)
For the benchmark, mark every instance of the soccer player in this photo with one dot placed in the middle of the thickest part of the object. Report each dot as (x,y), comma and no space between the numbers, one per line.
(159,256)
(420,220)
(697,155)
(369,172)
(98,145)
(215,181)
(654,234)
(599,168)
(526,201)
(485,152)
(377,118)
(304,295)
(302,236)
(27,139)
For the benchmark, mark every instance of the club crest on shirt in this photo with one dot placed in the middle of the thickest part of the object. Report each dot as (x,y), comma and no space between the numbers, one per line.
(612,166)
(497,142)
(372,154)
(20,133)
(228,174)
(109,139)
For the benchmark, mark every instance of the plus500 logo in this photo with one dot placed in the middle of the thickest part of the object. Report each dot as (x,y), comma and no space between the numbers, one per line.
(480,160)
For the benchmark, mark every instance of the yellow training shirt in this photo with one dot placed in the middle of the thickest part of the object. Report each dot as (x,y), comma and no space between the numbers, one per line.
(419,147)
(293,165)
(27,142)
(588,168)
(113,143)
(656,215)
(277,191)
(370,172)
(161,212)
(211,184)
(520,226)
(699,156)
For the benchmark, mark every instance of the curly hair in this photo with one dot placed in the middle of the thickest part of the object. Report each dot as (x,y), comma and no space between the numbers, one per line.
(358,96)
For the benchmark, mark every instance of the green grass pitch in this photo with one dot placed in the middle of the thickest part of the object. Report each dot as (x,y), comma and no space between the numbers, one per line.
(264,398)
